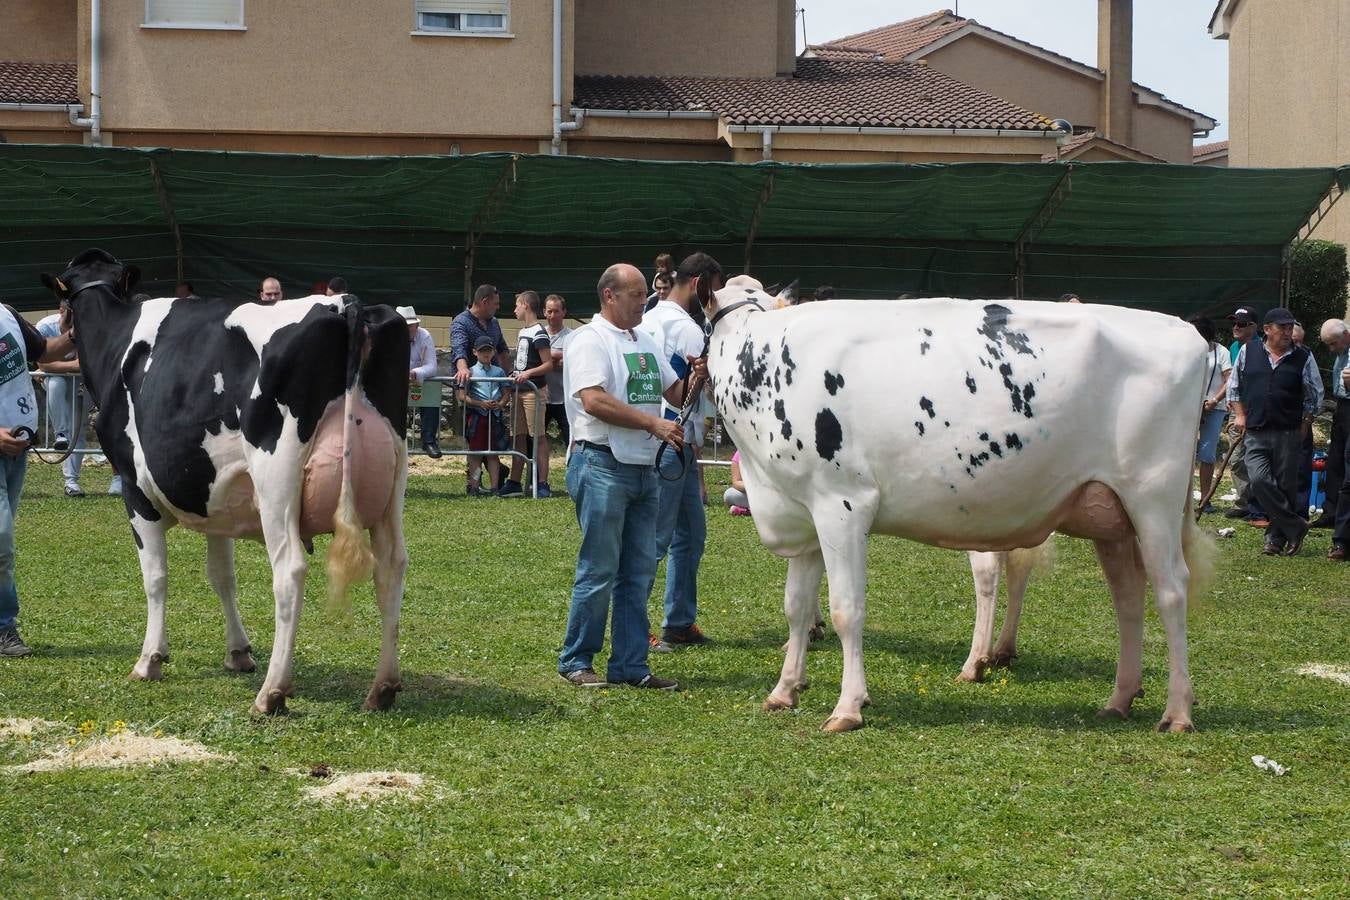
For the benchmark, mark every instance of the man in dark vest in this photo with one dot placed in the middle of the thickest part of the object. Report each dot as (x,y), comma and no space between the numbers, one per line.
(1274,391)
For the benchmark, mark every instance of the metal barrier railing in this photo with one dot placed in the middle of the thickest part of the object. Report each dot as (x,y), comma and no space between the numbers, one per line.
(83,441)
(527,458)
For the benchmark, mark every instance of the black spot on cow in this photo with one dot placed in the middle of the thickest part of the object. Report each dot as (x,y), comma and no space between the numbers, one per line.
(1012,441)
(927,332)
(848,506)
(995,448)
(919,425)
(984,435)
(753,370)
(777,384)
(787,361)
(996,329)
(927,406)
(799,443)
(135,536)
(833,382)
(1028,391)
(1014,392)
(780,410)
(970,382)
(787,430)
(923,348)
(829,434)
(946,424)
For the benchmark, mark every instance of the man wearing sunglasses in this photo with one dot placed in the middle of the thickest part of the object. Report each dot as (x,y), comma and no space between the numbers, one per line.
(1274,391)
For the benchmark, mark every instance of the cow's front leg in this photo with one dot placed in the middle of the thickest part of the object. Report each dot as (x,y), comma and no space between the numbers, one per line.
(1019,573)
(153,551)
(985,568)
(289,566)
(801,602)
(846,563)
(391,567)
(220,572)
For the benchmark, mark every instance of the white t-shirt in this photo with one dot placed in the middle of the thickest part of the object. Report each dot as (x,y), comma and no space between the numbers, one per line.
(628,366)
(554,378)
(1218,363)
(18,405)
(680,339)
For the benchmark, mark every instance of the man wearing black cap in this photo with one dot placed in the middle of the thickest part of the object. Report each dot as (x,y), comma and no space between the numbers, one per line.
(1274,391)
(1244,329)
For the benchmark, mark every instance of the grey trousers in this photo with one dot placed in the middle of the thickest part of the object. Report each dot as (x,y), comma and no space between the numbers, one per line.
(1272,465)
(1237,470)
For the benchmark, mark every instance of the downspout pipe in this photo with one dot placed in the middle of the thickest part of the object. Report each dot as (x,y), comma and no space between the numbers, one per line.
(94,122)
(559,126)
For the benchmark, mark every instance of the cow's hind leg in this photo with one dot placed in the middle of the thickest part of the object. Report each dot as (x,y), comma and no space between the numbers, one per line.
(801,602)
(286,551)
(220,572)
(985,569)
(153,551)
(1124,570)
(1170,575)
(391,567)
(1018,568)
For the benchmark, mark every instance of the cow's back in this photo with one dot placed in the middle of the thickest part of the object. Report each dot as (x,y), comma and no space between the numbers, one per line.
(949,410)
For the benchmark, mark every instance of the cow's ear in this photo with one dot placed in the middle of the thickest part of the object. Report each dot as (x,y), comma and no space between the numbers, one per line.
(130,276)
(788,295)
(56,285)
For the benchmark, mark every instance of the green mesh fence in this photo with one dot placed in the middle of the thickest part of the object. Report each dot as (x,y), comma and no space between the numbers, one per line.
(419,229)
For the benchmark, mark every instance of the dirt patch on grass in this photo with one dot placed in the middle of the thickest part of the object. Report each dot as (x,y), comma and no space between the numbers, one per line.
(121,751)
(1339,674)
(25,728)
(366,787)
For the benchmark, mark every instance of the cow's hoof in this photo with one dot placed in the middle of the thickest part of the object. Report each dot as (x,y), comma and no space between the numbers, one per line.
(974,673)
(1111,712)
(381,696)
(1002,659)
(775,703)
(1139,693)
(840,724)
(240,660)
(151,669)
(1175,726)
(817,632)
(274,704)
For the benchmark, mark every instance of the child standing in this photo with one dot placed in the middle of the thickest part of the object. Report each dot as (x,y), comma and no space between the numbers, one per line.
(484,426)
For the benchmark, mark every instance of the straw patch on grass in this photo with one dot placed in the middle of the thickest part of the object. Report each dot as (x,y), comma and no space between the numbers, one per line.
(367,787)
(25,728)
(1339,674)
(123,750)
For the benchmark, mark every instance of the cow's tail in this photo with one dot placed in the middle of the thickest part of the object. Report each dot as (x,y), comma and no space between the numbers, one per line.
(1039,560)
(349,557)
(1199,550)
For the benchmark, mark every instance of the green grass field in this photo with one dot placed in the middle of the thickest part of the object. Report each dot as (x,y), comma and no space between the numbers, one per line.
(1007,788)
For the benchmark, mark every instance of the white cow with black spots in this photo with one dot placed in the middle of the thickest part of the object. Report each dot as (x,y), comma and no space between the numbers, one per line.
(970,425)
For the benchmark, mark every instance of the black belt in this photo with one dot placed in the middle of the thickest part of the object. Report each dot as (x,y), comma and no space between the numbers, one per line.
(591,445)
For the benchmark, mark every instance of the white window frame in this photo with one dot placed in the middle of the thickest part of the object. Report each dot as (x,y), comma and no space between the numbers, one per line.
(195,26)
(503,32)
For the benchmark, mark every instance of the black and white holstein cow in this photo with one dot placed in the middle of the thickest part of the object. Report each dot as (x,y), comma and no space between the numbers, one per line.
(969,425)
(273,422)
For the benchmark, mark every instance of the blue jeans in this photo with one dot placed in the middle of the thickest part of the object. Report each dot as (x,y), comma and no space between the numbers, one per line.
(616,509)
(681,531)
(59,409)
(12,470)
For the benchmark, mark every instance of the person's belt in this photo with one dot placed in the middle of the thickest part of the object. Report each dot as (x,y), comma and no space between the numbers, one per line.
(591,445)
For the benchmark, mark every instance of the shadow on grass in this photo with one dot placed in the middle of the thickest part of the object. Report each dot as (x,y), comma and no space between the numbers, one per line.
(424,696)
(130,651)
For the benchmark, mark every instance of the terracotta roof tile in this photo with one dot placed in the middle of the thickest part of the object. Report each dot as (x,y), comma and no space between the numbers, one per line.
(821,92)
(1079,141)
(1209,149)
(38,82)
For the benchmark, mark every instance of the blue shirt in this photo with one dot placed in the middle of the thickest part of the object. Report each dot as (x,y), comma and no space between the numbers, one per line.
(465,331)
(485,391)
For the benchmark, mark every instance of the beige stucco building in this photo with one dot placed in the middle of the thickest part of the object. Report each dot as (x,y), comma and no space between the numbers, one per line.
(1289,87)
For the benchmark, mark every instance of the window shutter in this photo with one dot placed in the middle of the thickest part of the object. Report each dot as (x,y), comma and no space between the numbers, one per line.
(472,7)
(194,12)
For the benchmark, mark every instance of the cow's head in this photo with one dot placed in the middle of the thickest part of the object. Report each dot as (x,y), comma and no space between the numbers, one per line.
(92,269)
(744,290)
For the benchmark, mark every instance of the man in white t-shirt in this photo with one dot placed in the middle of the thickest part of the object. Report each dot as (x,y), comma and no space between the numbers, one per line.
(614,382)
(681,525)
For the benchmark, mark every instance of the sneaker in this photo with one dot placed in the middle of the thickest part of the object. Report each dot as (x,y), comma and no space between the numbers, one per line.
(740,511)
(1208,509)
(61,443)
(1237,512)
(511,489)
(11,644)
(1336,553)
(690,635)
(654,683)
(543,493)
(73,490)
(656,645)
(584,678)
(115,486)
(471,489)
